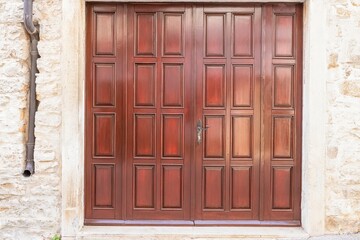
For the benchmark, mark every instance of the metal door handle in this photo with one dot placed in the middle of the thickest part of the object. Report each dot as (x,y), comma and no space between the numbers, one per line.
(199,130)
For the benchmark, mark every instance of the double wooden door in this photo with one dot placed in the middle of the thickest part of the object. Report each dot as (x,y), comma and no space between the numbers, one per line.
(193,114)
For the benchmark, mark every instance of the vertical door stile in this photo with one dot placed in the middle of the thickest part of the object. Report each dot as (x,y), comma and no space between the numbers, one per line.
(123,42)
(158,92)
(198,42)
(129,103)
(257,112)
(119,111)
(228,66)
(265,59)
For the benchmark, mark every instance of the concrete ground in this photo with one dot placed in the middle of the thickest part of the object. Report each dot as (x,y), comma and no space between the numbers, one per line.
(338,237)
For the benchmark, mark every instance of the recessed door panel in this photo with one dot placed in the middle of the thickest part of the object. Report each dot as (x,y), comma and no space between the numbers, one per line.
(145,83)
(145,34)
(144,187)
(172,187)
(243,35)
(104,185)
(214,85)
(172,136)
(145,129)
(242,85)
(213,188)
(104,84)
(242,131)
(283,86)
(173,34)
(241,187)
(283,137)
(104,133)
(284,35)
(105,32)
(214,35)
(282,187)
(214,139)
(173,85)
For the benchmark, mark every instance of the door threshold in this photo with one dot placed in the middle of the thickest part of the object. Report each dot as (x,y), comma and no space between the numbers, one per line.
(189,232)
(196,223)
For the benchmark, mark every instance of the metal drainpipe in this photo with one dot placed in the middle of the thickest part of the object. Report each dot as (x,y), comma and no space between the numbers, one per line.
(34,55)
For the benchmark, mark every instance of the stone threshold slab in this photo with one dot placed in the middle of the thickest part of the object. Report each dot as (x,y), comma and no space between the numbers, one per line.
(185,233)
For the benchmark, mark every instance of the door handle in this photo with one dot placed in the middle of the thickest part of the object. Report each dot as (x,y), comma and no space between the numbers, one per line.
(199,130)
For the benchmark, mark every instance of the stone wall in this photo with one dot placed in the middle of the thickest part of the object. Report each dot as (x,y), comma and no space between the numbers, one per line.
(30,207)
(343,124)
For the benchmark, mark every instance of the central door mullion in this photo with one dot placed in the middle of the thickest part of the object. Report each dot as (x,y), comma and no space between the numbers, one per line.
(228,140)
(159,113)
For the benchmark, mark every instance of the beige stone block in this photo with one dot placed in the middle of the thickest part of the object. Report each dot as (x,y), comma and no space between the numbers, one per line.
(351,88)
(333,58)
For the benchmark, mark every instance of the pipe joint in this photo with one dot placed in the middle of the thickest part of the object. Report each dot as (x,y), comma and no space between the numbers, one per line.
(28,19)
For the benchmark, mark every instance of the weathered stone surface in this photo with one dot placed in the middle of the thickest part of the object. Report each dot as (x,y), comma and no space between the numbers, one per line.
(343,129)
(29,207)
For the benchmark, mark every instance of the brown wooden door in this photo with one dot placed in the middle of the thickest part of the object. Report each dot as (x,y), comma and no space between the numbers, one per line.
(281,112)
(193,114)
(159,112)
(228,104)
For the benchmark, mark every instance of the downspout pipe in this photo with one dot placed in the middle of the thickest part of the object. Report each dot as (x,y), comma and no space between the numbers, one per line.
(33,31)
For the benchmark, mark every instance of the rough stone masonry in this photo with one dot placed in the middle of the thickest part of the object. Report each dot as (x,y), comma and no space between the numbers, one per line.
(343,124)
(30,207)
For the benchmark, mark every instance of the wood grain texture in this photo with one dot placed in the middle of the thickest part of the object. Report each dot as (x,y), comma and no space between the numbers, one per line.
(242,85)
(104,84)
(104,135)
(145,34)
(173,136)
(173,34)
(242,131)
(172,187)
(145,85)
(243,35)
(213,187)
(241,187)
(105,33)
(173,85)
(214,35)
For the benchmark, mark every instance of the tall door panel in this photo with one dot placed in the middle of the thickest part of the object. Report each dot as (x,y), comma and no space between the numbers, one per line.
(158,117)
(281,150)
(104,125)
(227,152)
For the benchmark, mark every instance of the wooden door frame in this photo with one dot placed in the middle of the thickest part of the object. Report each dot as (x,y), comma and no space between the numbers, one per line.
(73,95)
